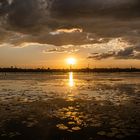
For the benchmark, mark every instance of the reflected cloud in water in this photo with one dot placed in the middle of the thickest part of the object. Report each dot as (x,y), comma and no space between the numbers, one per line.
(70,104)
(73,118)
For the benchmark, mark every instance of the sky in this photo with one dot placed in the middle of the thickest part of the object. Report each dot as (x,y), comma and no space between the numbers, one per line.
(43,33)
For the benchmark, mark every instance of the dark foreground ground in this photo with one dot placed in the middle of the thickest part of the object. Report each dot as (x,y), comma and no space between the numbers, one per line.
(70,106)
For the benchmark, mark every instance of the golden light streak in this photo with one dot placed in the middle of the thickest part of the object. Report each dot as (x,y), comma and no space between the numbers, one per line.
(71,80)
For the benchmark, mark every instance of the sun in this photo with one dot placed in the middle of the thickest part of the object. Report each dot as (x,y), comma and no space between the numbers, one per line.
(71,61)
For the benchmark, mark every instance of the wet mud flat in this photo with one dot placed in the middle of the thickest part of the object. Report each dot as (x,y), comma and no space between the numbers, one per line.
(59,107)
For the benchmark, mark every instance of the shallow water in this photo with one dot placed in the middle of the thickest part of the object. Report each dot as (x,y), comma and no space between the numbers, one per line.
(69,106)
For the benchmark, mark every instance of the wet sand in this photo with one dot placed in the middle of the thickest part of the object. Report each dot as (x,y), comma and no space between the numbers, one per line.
(75,106)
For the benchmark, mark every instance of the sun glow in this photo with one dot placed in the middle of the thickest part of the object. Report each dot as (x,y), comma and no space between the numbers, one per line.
(71,61)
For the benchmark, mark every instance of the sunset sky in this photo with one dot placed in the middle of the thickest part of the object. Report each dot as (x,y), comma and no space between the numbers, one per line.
(44,33)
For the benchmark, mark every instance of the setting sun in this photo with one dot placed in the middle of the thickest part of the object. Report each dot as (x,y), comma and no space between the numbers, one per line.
(71,61)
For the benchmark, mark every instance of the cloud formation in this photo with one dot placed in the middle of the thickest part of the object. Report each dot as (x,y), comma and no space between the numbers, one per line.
(75,22)
(63,49)
(38,14)
(126,53)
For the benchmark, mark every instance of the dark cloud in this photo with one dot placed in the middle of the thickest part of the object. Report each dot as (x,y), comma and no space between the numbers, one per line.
(56,13)
(66,49)
(126,53)
(99,56)
(95,8)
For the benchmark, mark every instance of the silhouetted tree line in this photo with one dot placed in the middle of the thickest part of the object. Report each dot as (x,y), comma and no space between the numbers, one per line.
(109,70)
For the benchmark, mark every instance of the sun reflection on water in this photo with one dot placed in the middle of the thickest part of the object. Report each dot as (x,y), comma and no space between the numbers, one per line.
(71,79)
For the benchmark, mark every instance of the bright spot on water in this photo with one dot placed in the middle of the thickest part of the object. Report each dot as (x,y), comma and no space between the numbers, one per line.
(71,80)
